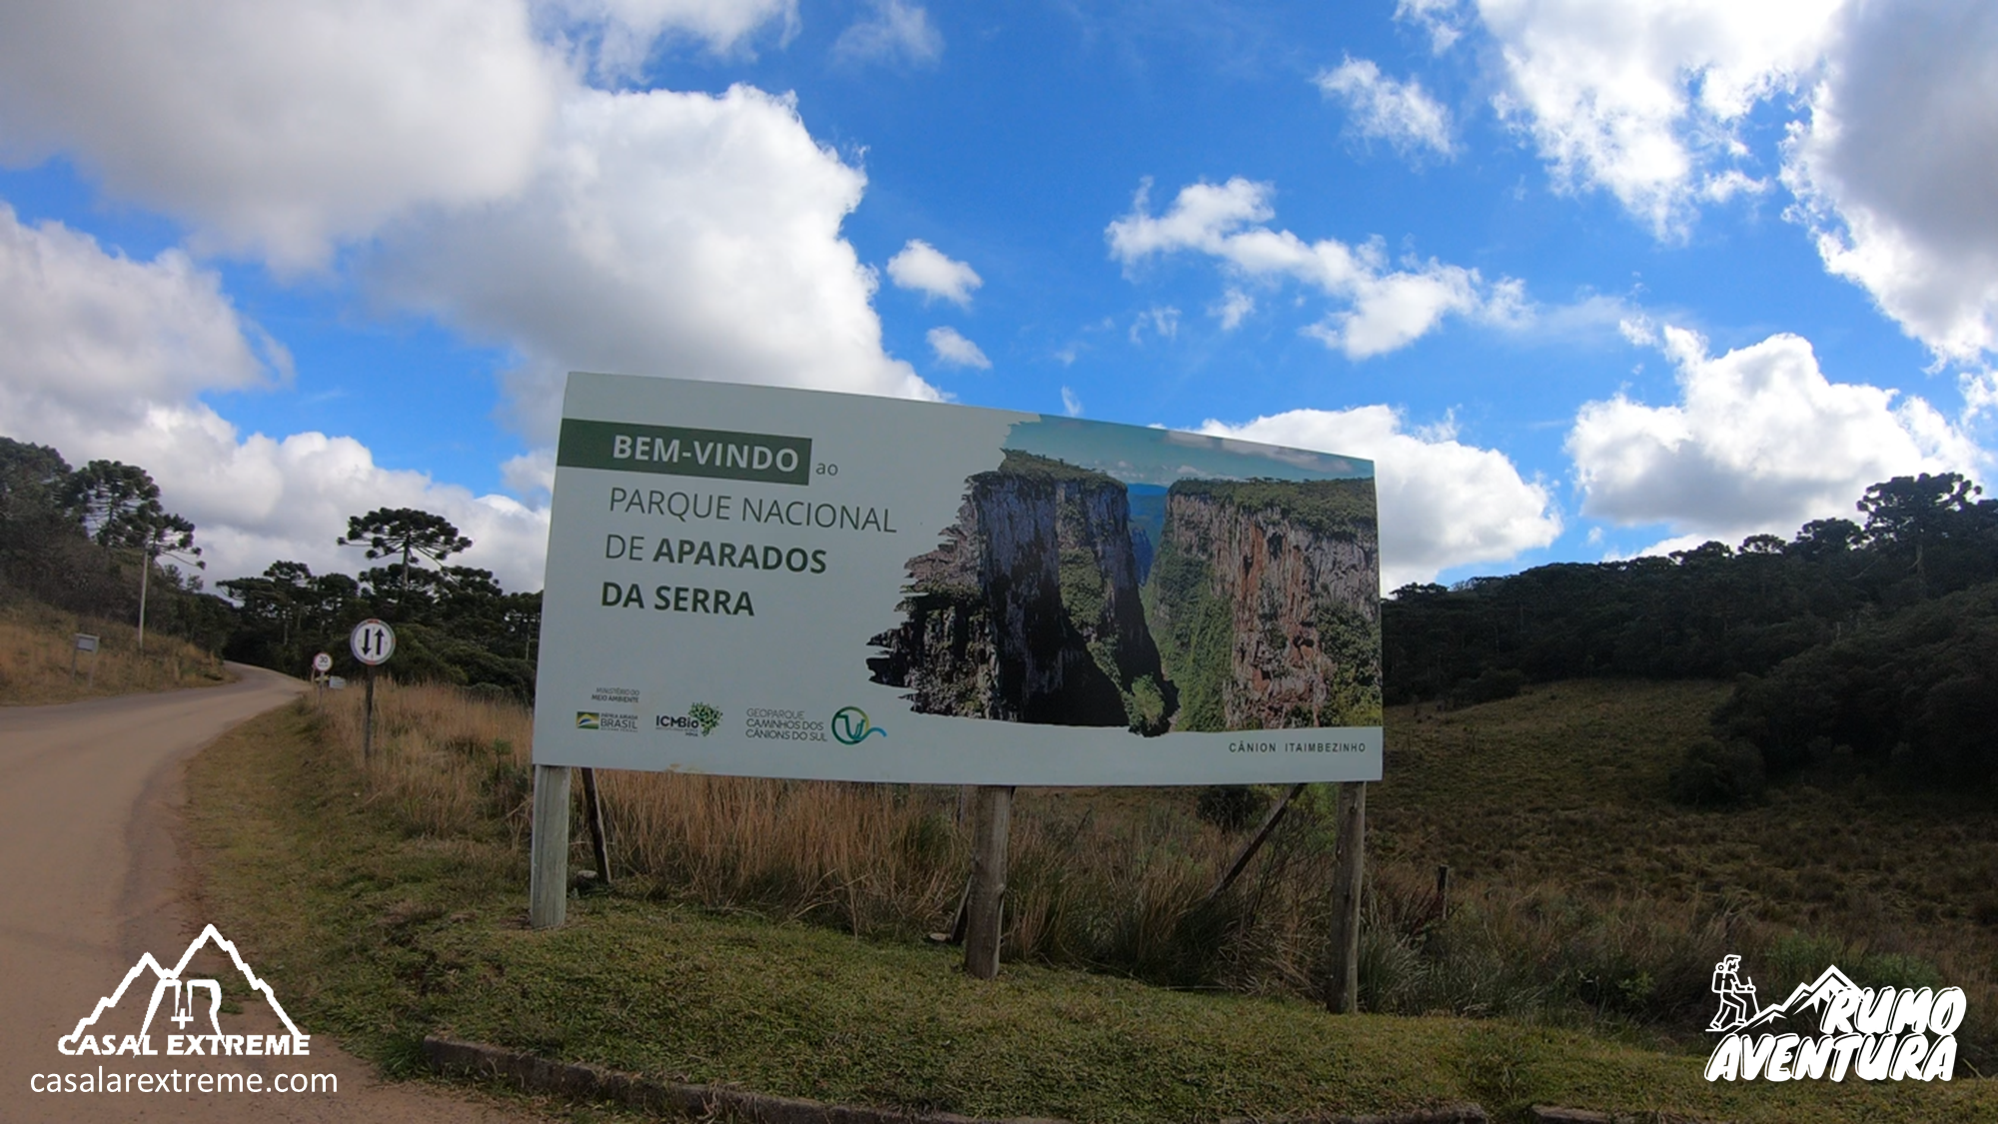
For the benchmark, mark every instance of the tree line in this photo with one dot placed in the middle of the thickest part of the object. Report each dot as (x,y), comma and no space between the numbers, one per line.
(1874,640)
(1870,640)
(98,540)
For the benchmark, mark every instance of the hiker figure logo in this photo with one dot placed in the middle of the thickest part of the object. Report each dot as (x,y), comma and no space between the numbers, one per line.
(1732,988)
(1875,1033)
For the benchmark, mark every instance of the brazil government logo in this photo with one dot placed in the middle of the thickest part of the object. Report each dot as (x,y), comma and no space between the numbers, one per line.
(850,726)
(605,720)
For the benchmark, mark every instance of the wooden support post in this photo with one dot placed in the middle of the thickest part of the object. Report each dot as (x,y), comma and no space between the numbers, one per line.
(548,851)
(985,915)
(1442,891)
(1254,845)
(593,813)
(368,723)
(1342,993)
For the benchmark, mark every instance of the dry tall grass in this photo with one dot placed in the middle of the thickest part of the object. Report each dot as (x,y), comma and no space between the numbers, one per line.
(38,651)
(1117,880)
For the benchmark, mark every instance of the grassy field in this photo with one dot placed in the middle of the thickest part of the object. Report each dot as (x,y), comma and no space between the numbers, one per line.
(1553,804)
(388,904)
(38,647)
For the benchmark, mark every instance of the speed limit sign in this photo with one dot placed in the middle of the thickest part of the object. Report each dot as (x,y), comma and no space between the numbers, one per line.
(322,663)
(373,641)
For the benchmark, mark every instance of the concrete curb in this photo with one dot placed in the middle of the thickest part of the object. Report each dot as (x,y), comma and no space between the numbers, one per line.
(697,1102)
(594,1083)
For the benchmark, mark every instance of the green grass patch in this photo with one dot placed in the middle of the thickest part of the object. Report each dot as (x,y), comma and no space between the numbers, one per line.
(378,935)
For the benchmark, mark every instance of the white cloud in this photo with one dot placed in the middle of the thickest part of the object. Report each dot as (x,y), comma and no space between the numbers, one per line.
(1440,18)
(918,265)
(1070,404)
(1646,99)
(895,29)
(472,177)
(954,350)
(1233,308)
(1401,113)
(1379,308)
(278,130)
(1442,503)
(1895,166)
(1892,130)
(662,234)
(105,359)
(1159,320)
(621,33)
(1759,441)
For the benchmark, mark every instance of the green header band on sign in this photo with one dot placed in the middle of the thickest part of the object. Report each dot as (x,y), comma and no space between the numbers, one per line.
(684,452)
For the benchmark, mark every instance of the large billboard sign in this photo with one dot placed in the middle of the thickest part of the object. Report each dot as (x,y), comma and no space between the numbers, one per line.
(782,583)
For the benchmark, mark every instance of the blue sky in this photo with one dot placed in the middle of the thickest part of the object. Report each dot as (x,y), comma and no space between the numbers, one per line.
(1582,281)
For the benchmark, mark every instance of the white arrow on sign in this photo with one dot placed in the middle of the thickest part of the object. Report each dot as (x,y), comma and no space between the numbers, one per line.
(373,641)
(322,663)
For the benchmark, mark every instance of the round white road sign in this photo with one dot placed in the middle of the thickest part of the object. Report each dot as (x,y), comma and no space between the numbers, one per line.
(322,663)
(373,641)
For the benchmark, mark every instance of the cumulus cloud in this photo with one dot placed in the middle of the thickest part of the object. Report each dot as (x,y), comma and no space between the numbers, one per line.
(277,130)
(1892,129)
(1895,163)
(1401,113)
(954,350)
(1443,503)
(1759,441)
(921,266)
(1646,99)
(105,358)
(1071,405)
(662,233)
(1380,307)
(461,167)
(894,30)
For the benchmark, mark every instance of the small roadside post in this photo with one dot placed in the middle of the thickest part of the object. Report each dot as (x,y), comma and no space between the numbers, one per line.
(985,904)
(321,664)
(85,642)
(1342,996)
(372,642)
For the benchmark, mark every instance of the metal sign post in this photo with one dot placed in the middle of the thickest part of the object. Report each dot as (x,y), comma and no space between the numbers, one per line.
(85,642)
(321,665)
(372,643)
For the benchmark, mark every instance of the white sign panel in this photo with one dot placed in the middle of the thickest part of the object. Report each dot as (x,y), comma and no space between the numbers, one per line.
(86,642)
(322,663)
(372,641)
(780,583)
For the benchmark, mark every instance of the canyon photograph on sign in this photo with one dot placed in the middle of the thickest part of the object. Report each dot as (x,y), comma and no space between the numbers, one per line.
(1064,595)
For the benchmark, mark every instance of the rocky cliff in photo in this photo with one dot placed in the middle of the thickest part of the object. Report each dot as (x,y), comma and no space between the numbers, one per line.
(1029,610)
(1264,597)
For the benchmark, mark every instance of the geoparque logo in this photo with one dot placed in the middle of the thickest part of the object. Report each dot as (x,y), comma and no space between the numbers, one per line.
(850,726)
(1875,1033)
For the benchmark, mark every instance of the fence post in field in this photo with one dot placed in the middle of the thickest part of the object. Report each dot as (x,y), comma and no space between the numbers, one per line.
(548,851)
(985,913)
(593,813)
(1342,993)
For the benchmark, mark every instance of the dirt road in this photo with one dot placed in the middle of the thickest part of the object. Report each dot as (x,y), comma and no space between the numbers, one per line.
(91,879)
